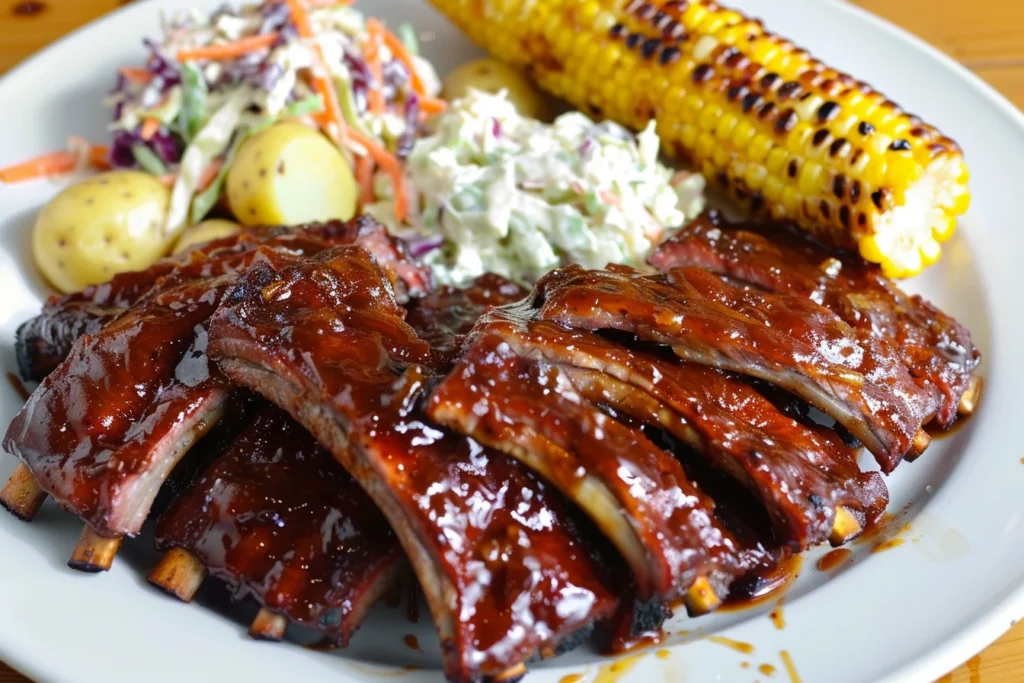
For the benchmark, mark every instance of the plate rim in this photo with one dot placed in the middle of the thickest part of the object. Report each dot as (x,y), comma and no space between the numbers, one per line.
(976,631)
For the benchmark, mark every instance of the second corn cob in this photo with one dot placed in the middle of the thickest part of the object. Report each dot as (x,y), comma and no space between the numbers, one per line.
(785,134)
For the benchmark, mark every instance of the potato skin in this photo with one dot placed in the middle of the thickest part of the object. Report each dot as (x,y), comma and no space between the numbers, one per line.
(289,174)
(491,76)
(212,229)
(101,226)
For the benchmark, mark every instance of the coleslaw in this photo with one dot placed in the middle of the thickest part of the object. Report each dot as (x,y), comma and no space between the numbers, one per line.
(498,192)
(213,80)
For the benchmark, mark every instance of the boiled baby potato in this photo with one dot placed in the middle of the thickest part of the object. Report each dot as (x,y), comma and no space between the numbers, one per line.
(288,174)
(104,225)
(213,229)
(491,76)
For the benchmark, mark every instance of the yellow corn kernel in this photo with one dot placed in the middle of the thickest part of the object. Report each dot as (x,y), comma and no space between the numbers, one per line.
(811,178)
(960,204)
(742,134)
(777,158)
(758,148)
(756,176)
(726,125)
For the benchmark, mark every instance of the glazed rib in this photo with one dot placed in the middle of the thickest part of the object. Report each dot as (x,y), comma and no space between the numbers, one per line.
(103,431)
(43,342)
(936,349)
(503,568)
(277,518)
(801,474)
(635,492)
(709,322)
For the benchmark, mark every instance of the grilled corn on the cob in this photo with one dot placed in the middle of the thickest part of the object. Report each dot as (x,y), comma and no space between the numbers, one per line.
(785,134)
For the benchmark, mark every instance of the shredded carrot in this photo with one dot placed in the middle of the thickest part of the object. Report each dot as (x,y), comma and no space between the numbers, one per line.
(99,157)
(320,4)
(40,167)
(332,115)
(364,177)
(141,76)
(375,96)
(432,105)
(206,178)
(228,50)
(150,127)
(331,120)
(390,164)
(209,174)
(401,53)
(53,164)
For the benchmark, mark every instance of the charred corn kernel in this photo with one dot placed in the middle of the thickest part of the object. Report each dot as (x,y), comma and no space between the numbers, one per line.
(746,107)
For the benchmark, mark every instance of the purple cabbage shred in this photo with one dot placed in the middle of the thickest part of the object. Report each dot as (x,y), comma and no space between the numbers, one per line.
(412,117)
(160,65)
(276,16)
(418,248)
(166,146)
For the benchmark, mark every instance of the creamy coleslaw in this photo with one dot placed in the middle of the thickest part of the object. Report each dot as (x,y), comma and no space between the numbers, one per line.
(498,192)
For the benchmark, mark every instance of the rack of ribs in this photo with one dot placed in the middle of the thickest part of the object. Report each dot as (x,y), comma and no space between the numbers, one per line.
(43,342)
(104,430)
(276,518)
(787,340)
(549,462)
(505,570)
(635,492)
(807,479)
(936,349)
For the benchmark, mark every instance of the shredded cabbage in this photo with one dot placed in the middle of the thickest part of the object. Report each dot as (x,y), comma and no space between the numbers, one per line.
(518,197)
(209,143)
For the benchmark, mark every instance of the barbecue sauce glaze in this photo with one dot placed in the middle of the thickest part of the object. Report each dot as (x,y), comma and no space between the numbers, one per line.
(276,517)
(936,349)
(514,573)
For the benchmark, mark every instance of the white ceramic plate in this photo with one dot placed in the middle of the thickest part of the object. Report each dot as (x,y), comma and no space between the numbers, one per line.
(911,613)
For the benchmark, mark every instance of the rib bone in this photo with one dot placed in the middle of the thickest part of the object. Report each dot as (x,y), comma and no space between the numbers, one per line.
(94,553)
(21,494)
(179,573)
(268,626)
(969,401)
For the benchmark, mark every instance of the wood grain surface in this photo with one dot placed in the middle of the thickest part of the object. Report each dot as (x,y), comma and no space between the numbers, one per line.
(987,36)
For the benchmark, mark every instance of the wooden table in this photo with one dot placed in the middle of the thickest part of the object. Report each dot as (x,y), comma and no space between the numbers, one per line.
(985,35)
